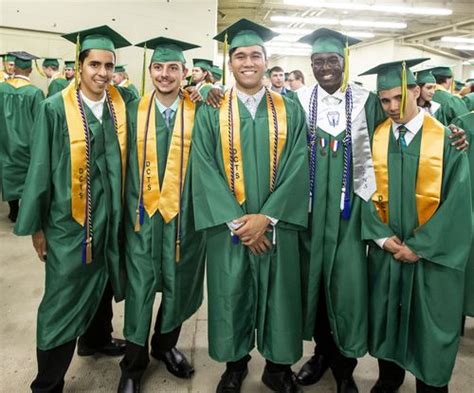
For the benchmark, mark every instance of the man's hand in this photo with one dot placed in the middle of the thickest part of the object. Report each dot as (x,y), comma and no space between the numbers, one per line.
(406,255)
(252,227)
(39,243)
(261,246)
(194,94)
(459,138)
(392,244)
(215,97)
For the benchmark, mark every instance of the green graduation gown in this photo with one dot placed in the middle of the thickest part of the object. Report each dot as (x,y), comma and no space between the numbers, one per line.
(466,122)
(333,254)
(469,101)
(73,290)
(18,109)
(250,293)
(452,106)
(150,253)
(415,309)
(57,85)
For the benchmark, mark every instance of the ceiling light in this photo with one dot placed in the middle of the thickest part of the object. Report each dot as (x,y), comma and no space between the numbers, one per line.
(392,9)
(461,40)
(464,47)
(344,22)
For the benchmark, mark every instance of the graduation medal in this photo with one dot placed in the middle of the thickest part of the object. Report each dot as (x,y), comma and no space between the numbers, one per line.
(166,198)
(79,141)
(430,169)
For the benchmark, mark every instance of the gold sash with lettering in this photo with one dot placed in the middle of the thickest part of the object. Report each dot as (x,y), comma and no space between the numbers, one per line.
(229,122)
(166,198)
(430,168)
(18,82)
(77,142)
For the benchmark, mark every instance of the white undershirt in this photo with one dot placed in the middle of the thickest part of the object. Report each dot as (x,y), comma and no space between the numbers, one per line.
(97,107)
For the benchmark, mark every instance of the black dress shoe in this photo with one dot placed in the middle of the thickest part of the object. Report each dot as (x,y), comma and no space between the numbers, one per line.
(381,387)
(115,347)
(347,385)
(176,363)
(313,370)
(231,381)
(128,385)
(281,382)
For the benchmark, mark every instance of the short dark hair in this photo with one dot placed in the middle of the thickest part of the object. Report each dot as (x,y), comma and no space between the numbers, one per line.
(276,69)
(232,51)
(441,79)
(83,55)
(298,75)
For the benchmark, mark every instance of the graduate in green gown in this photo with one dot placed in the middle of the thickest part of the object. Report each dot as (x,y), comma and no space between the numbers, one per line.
(120,78)
(466,122)
(163,252)
(469,101)
(19,106)
(341,117)
(250,184)
(453,106)
(62,81)
(427,83)
(8,66)
(417,257)
(50,70)
(72,206)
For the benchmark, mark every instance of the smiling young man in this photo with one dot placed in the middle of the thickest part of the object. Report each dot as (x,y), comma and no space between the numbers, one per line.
(164,253)
(341,117)
(250,174)
(416,276)
(19,106)
(72,206)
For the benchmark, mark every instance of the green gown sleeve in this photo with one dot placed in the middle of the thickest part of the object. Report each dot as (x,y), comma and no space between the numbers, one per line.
(214,203)
(56,86)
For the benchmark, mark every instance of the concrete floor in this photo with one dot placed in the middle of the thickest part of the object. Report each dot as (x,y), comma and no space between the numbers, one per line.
(21,287)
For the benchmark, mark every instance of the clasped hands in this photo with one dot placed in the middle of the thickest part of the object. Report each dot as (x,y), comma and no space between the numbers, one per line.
(251,229)
(400,250)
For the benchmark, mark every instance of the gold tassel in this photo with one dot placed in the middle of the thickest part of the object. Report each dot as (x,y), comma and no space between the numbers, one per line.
(403,101)
(224,67)
(137,222)
(178,251)
(453,85)
(143,72)
(40,71)
(89,250)
(345,79)
(76,68)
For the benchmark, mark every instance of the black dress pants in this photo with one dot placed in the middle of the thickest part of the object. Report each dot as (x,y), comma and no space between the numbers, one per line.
(54,363)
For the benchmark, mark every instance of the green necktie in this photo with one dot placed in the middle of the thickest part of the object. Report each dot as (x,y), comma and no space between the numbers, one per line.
(402,130)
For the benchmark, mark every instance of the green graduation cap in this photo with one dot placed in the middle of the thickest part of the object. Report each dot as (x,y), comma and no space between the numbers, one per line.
(469,80)
(69,64)
(216,73)
(245,33)
(458,85)
(424,76)
(328,41)
(7,57)
(205,64)
(445,71)
(23,60)
(167,49)
(120,68)
(50,62)
(102,37)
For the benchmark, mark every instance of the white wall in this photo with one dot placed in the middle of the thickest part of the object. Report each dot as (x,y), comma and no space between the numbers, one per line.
(185,20)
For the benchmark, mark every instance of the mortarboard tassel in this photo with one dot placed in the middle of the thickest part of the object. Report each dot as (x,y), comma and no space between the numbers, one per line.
(403,101)
(40,71)
(224,68)
(178,250)
(143,71)
(453,85)
(76,68)
(345,79)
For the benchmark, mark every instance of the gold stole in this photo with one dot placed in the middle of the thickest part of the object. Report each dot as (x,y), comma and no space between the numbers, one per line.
(77,143)
(126,84)
(229,122)
(18,82)
(430,168)
(165,198)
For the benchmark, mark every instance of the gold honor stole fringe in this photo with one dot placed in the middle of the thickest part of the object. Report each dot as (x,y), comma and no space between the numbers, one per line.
(229,122)
(166,198)
(430,169)
(77,142)
(18,82)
